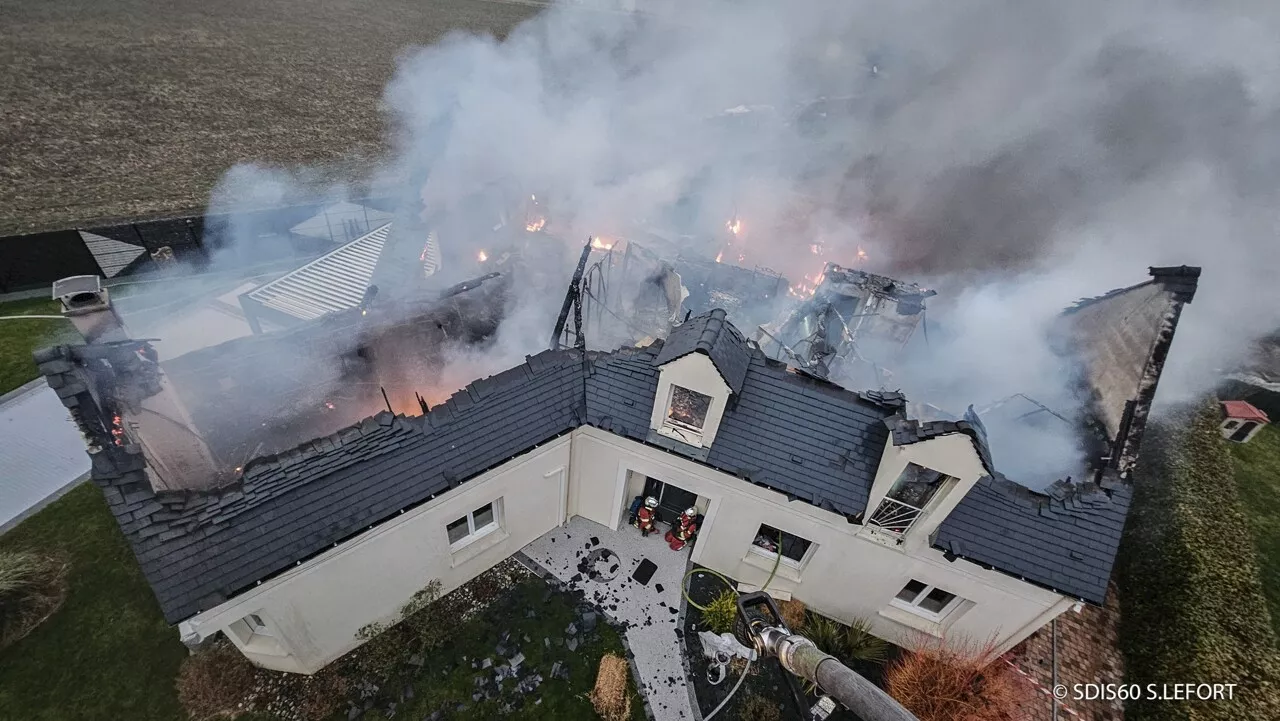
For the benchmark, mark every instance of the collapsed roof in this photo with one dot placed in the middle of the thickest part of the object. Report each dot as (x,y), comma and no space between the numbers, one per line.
(802,436)
(1067,536)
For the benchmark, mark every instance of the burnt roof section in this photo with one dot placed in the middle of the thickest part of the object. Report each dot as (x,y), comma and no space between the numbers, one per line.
(908,430)
(1120,341)
(1066,538)
(199,549)
(806,438)
(713,335)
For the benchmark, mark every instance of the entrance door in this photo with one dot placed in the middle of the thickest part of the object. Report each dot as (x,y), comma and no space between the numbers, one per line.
(672,500)
(1243,431)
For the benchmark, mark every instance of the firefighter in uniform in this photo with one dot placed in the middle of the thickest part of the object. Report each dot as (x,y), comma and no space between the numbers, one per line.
(683,530)
(646,516)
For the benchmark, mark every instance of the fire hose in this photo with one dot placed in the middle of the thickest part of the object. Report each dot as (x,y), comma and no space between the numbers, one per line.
(801,657)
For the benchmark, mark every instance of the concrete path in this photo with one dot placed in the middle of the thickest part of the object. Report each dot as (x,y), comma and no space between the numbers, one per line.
(650,610)
(41,452)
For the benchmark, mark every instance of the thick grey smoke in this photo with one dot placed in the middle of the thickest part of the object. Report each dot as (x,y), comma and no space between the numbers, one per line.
(1015,156)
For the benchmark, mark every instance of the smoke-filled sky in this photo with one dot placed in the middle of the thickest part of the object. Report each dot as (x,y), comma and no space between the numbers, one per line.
(1014,155)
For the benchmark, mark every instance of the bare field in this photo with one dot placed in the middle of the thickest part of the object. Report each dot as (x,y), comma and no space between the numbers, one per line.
(127,108)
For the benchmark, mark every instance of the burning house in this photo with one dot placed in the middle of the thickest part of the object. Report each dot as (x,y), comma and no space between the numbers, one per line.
(331,524)
(852,324)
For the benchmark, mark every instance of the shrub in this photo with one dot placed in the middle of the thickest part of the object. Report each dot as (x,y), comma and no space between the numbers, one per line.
(861,645)
(851,643)
(32,587)
(609,696)
(758,708)
(721,615)
(1188,537)
(215,682)
(793,614)
(956,681)
(827,634)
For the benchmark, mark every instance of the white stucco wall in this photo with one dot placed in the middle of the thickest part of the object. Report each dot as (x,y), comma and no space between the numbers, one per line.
(315,610)
(844,576)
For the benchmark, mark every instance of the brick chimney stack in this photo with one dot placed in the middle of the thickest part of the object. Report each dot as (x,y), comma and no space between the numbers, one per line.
(125,381)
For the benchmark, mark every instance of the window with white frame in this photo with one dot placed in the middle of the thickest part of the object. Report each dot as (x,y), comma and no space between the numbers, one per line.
(686,414)
(475,524)
(906,500)
(772,542)
(924,600)
(257,626)
(256,634)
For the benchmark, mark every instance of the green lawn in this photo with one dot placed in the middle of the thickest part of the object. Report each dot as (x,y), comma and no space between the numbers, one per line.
(107,653)
(448,678)
(18,338)
(1257,471)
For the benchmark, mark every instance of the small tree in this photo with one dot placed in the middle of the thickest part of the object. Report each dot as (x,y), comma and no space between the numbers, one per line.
(722,613)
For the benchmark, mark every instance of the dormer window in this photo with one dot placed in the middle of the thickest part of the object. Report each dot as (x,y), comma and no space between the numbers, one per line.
(906,501)
(686,414)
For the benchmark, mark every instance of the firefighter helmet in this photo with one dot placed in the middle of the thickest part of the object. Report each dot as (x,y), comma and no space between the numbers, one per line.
(691,512)
(651,502)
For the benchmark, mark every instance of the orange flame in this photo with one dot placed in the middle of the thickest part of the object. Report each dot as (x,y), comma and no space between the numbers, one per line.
(601,244)
(719,256)
(482,256)
(734,226)
(535,225)
(862,255)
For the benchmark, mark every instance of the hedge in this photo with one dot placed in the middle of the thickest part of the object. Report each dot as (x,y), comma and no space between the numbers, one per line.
(1192,608)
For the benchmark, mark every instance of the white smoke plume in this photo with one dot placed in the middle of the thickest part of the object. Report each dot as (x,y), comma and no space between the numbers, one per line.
(1014,156)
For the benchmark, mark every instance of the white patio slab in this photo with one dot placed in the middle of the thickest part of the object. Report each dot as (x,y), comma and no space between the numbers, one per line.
(650,610)
(41,451)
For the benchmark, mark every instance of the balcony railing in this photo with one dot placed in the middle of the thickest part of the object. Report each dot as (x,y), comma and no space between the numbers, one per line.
(894,517)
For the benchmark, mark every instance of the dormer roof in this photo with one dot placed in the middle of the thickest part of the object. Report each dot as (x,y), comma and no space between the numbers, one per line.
(714,336)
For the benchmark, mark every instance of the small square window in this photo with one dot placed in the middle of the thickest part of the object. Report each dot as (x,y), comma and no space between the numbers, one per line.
(924,600)
(256,625)
(458,530)
(911,590)
(793,547)
(483,516)
(473,525)
(936,600)
(688,409)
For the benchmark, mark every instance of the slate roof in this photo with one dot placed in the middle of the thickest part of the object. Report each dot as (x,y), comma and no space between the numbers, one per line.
(1065,539)
(804,437)
(909,430)
(714,336)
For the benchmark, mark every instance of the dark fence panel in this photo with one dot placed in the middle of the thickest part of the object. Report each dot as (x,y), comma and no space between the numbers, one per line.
(35,261)
(38,259)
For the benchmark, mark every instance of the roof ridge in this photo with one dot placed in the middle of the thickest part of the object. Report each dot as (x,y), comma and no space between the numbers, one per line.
(382,421)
